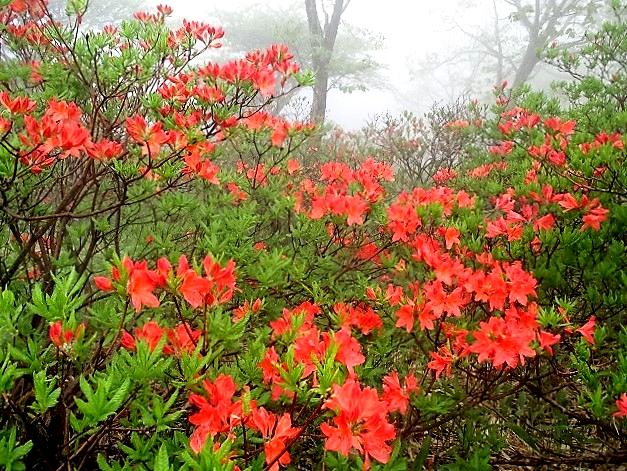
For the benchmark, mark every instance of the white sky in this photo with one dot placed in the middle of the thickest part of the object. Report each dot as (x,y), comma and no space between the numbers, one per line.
(411,28)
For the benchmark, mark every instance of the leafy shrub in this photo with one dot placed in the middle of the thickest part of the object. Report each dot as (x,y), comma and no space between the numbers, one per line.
(181,293)
(416,147)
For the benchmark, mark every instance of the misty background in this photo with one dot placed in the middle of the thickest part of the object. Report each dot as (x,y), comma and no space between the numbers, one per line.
(388,57)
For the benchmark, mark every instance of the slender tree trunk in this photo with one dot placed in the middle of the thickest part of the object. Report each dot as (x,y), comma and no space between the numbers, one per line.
(322,38)
(529,61)
(499,46)
(319,102)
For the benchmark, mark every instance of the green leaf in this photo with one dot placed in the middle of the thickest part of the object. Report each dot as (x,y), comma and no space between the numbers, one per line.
(46,395)
(11,454)
(423,454)
(161,460)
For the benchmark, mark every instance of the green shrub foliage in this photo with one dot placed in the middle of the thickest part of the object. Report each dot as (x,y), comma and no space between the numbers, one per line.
(185,287)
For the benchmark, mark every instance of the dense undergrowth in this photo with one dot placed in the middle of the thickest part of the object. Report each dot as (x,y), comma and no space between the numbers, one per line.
(192,283)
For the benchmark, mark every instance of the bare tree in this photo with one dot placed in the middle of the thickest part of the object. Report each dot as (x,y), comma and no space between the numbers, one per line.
(99,13)
(351,65)
(508,45)
(546,21)
(322,35)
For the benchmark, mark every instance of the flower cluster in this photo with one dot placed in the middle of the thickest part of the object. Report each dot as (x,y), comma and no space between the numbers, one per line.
(140,282)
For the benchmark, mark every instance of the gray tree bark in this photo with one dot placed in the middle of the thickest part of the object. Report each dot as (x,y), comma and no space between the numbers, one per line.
(322,37)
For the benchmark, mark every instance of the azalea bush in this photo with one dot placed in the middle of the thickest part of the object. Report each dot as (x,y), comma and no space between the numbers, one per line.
(415,146)
(182,291)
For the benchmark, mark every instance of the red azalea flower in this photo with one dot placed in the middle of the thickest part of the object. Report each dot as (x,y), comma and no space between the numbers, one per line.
(280,432)
(442,362)
(62,337)
(360,423)
(587,330)
(397,396)
(103,283)
(217,412)
(621,404)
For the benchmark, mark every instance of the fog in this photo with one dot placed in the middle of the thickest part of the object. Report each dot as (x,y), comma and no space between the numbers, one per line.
(410,30)
(428,50)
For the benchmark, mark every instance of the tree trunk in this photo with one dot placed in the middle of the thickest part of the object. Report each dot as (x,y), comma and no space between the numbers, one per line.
(322,41)
(319,102)
(529,61)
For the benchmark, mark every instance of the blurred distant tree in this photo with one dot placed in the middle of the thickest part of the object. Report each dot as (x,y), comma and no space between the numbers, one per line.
(322,36)
(340,54)
(545,21)
(98,12)
(508,45)
(417,147)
